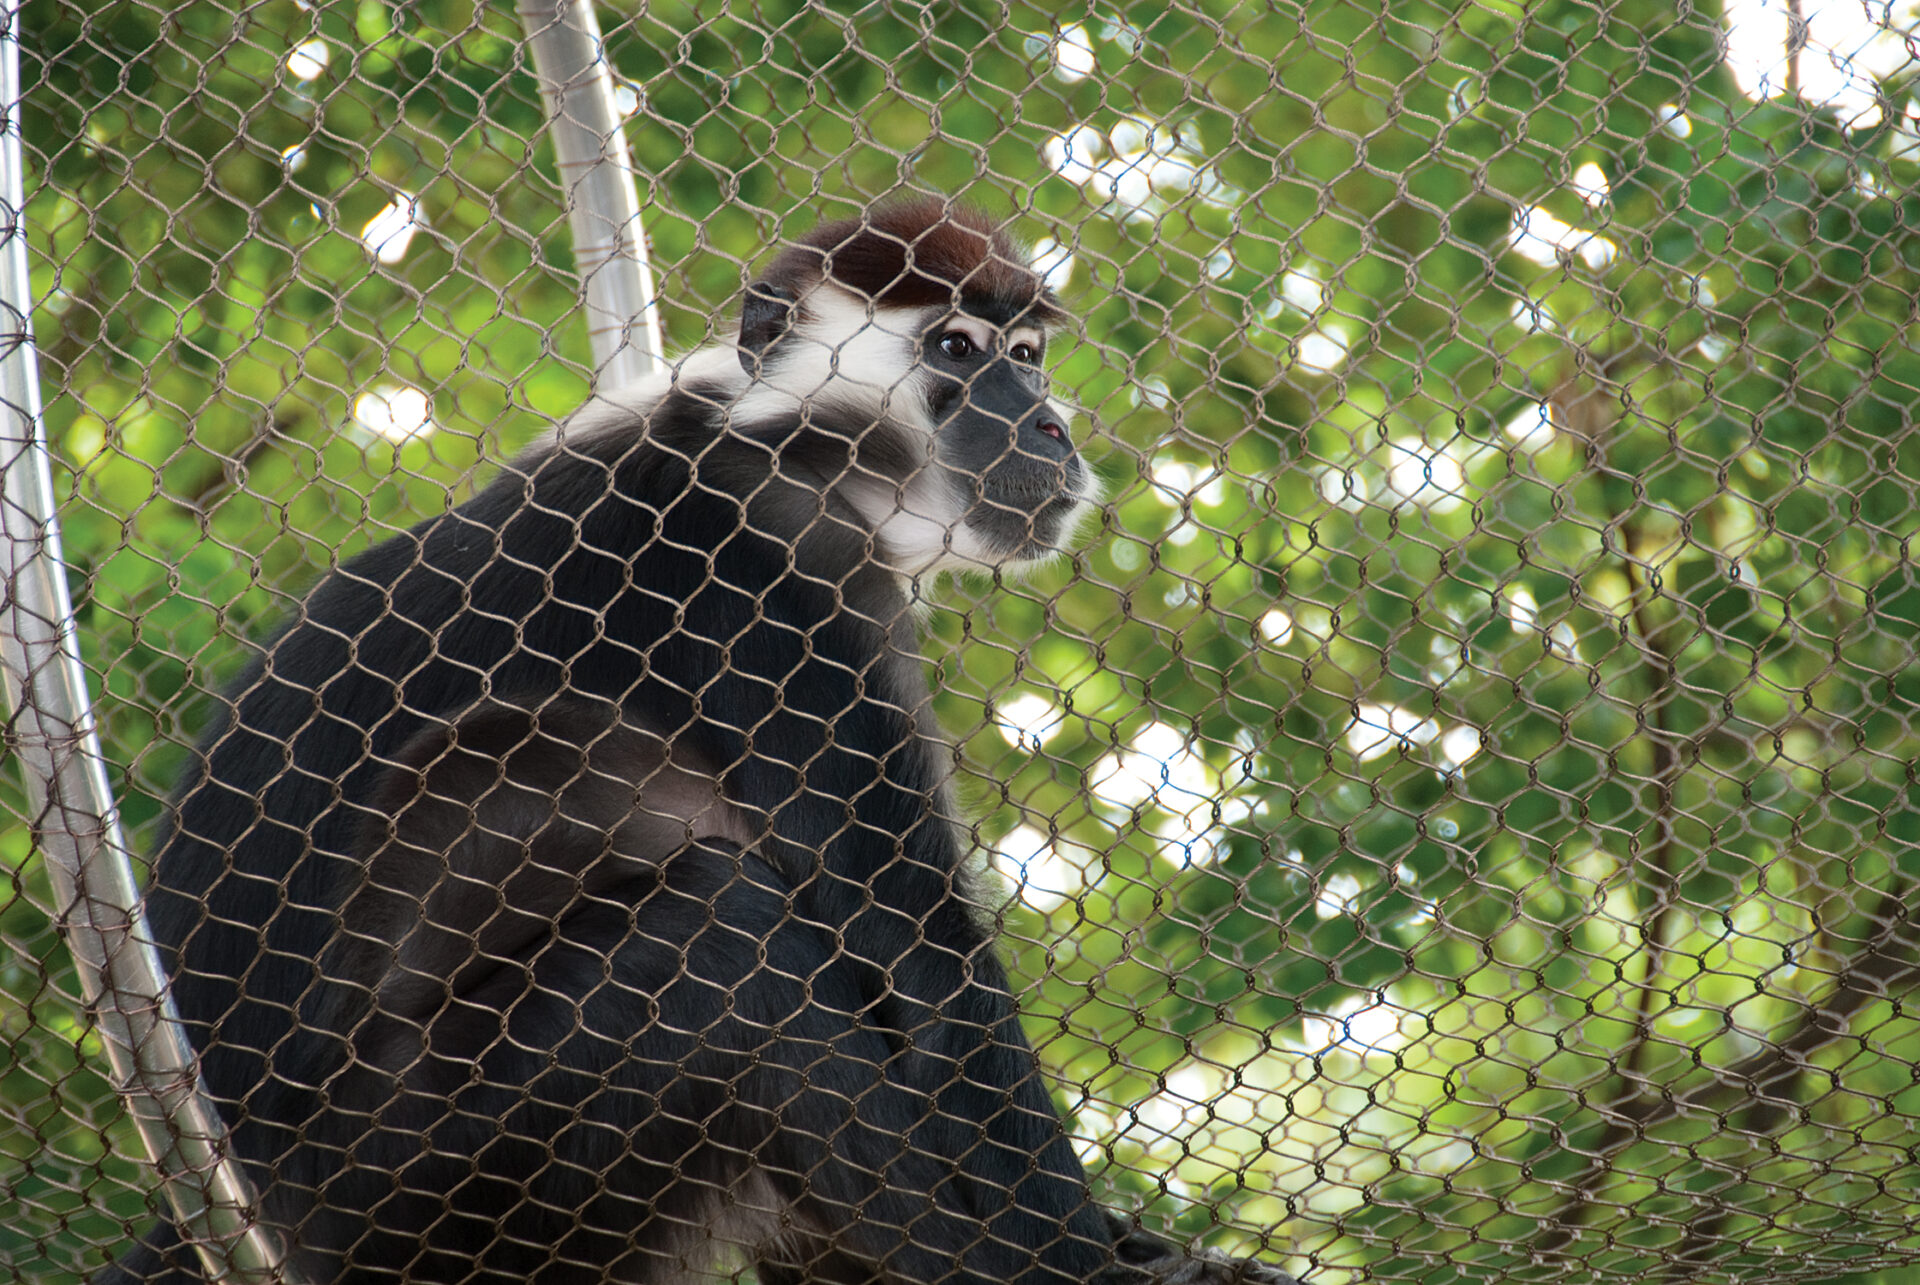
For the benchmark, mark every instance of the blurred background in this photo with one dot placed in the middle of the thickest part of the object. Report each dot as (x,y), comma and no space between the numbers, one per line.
(1454,820)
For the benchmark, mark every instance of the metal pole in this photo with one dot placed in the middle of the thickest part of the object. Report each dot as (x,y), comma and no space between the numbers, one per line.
(76,823)
(596,173)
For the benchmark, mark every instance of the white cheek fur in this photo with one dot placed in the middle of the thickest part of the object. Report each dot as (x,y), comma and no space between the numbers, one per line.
(848,363)
(922,527)
(846,360)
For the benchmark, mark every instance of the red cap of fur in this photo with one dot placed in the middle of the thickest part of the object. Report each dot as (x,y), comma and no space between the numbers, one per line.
(920,253)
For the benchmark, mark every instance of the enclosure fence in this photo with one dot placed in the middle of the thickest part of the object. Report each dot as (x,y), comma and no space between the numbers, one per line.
(1449,818)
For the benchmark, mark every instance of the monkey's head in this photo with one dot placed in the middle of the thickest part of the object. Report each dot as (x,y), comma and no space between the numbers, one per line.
(918,332)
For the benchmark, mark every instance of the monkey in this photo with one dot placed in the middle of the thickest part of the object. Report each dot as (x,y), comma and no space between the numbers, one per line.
(569,891)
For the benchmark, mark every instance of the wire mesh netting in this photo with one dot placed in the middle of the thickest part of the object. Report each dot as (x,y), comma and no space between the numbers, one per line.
(1450,818)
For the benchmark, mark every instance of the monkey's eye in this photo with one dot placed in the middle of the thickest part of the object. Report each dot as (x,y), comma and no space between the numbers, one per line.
(956,345)
(1024,354)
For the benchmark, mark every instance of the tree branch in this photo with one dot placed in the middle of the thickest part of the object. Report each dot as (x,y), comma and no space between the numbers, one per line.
(1657,666)
(1762,1087)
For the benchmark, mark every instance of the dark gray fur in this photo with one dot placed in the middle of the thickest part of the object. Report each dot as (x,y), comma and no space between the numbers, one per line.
(570,892)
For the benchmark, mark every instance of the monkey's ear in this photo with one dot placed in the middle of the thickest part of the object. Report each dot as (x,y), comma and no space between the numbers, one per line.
(764,317)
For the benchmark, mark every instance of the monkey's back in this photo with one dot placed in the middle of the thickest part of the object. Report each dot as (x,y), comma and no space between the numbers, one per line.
(264,838)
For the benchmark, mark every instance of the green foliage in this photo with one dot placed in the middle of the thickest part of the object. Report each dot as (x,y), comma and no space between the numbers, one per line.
(1477,769)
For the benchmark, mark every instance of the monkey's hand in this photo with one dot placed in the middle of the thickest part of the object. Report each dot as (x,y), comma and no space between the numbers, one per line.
(1141,1258)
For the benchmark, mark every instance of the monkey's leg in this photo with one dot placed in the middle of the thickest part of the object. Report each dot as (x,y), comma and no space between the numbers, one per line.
(679,1069)
(988,1109)
(867,1203)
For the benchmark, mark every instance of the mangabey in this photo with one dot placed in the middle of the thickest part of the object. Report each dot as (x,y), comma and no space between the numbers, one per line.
(568,893)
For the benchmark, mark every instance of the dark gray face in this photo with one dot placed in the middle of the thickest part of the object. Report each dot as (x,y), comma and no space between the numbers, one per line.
(998,439)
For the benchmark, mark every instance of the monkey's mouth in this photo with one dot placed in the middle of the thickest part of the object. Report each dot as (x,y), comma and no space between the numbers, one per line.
(1027,509)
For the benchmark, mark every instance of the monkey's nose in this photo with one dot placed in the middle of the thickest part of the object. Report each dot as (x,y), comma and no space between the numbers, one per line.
(1052,427)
